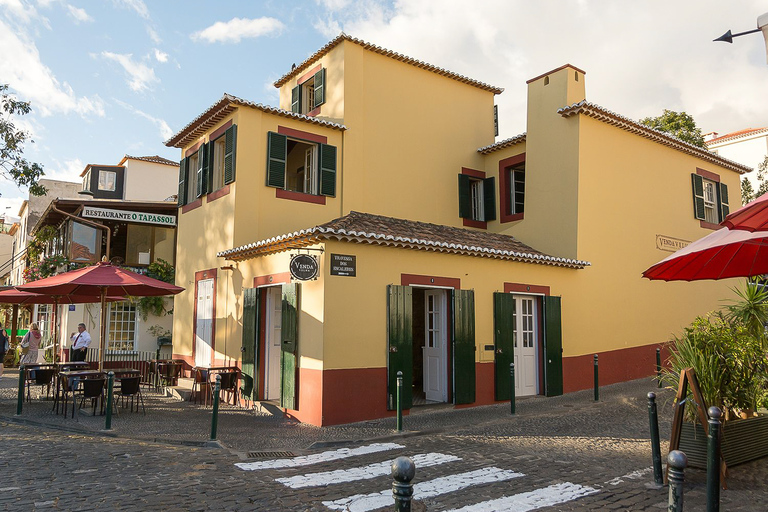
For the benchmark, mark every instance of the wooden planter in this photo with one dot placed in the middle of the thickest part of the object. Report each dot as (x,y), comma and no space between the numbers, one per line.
(743,441)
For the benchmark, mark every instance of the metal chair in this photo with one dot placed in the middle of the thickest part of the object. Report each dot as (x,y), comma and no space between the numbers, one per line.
(42,377)
(169,374)
(229,385)
(93,389)
(201,384)
(130,387)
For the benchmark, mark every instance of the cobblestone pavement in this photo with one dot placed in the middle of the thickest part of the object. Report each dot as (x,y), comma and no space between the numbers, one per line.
(566,453)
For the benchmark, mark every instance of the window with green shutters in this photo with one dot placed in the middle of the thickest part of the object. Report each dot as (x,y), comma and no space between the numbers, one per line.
(710,199)
(309,95)
(209,168)
(301,166)
(477,198)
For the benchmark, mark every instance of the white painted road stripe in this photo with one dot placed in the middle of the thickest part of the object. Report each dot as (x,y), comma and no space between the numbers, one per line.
(316,458)
(422,490)
(546,497)
(362,473)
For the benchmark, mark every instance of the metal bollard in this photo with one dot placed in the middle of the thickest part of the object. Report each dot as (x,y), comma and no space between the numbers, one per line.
(215,417)
(512,388)
(658,366)
(653,417)
(597,382)
(713,460)
(110,390)
(399,401)
(677,462)
(403,471)
(20,401)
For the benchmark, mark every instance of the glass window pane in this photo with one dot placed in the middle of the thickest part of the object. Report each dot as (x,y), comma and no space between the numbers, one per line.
(107,180)
(138,244)
(82,245)
(164,244)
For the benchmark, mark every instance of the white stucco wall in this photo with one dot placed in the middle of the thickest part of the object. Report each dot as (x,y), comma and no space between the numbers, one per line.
(147,181)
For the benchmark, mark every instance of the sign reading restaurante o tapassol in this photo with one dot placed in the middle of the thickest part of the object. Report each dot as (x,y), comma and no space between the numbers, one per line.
(304,267)
(128,216)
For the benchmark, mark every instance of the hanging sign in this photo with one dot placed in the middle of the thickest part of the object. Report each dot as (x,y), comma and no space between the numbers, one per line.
(128,216)
(343,265)
(304,267)
(670,244)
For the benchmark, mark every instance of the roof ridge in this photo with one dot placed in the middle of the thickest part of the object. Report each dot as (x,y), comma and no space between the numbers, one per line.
(737,134)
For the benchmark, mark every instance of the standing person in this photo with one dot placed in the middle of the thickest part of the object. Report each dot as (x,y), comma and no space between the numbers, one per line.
(80,343)
(30,343)
(3,347)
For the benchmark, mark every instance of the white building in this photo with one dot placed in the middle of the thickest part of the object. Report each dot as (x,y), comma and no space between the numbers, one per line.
(748,147)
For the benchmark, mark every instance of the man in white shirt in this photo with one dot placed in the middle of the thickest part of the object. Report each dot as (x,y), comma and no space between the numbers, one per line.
(80,343)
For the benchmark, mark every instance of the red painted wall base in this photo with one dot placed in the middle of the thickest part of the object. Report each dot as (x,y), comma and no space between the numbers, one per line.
(613,366)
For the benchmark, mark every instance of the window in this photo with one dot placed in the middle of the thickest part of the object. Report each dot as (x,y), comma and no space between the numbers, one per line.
(209,168)
(87,181)
(710,197)
(219,149)
(309,94)
(84,243)
(477,198)
(122,326)
(107,181)
(516,181)
(146,244)
(300,165)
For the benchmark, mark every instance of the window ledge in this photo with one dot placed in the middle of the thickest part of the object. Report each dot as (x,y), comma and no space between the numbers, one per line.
(475,223)
(299,196)
(197,203)
(708,225)
(512,218)
(223,191)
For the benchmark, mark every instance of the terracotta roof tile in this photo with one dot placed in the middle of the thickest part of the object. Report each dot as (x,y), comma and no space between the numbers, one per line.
(517,139)
(737,135)
(155,159)
(380,230)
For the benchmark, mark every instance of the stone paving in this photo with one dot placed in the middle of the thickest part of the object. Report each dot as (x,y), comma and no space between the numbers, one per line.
(158,462)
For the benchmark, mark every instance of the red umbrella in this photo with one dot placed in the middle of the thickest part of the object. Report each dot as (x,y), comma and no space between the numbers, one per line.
(752,217)
(101,280)
(18,297)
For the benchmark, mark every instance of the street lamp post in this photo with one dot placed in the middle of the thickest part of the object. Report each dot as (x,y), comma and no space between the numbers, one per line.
(762,26)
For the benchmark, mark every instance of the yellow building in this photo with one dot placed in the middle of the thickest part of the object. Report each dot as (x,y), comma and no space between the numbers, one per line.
(370,226)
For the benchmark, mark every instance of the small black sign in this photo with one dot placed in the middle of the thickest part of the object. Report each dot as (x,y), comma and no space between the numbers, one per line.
(304,267)
(343,265)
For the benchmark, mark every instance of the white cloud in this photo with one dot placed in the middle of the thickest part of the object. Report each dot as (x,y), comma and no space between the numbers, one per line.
(20,10)
(153,35)
(160,56)
(22,68)
(78,14)
(165,130)
(236,29)
(136,5)
(67,170)
(140,76)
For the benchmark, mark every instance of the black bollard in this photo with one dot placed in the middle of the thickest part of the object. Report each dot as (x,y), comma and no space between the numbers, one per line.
(597,382)
(399,401)
(20,398)
(713,460)
(677,461)
(653,417)
(403,471)
(658,366)
(512,387)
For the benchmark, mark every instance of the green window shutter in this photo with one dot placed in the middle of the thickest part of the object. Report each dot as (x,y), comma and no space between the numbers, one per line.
(210,154)
(698,196)
(496,120)
(289,333)
(400,343)
(723,196)
(503,336)
(489,198)
(465,197)
(296,99)
(202,166)
(327,170)
(553,347)
(249,379)
(277,156)
(230,150)
(182,199)
(319,82)
(463,346)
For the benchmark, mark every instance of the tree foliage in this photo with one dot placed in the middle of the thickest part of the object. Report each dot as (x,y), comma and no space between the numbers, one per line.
(677,124)
(13,165)
(748,192)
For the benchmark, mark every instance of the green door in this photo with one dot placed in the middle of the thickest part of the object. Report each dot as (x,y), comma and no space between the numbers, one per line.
(400,343)
(288,357)
(553,347)
(463,346)
(503,340)
(250,352)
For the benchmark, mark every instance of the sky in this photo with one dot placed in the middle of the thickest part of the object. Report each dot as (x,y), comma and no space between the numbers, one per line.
(107,78)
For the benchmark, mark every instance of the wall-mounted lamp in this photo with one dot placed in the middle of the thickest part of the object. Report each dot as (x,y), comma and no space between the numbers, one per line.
(227,267)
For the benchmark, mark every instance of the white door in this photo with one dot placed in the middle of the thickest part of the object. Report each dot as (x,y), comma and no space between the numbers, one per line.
(203,322)
(525,337)
(435,346)
(274,318)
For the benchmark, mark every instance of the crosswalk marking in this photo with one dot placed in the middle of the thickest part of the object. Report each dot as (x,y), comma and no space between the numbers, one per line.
(422,490)
(361,473)
(523,502)
(316,458)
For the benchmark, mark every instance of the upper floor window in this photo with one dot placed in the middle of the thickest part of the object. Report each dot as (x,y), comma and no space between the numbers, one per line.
(477,198)
(710,197)
(516,189)
(309,93)
(107,180)
(301,166)
(209,168)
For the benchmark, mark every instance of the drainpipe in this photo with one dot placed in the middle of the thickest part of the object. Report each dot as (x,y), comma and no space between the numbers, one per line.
(88,223)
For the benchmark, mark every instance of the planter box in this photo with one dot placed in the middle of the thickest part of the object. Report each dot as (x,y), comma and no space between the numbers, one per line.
(743,441)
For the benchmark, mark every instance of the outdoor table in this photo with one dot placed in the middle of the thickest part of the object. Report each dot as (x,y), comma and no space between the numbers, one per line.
(29,373)
(71,376)
(72,365)
(214,370)
(120,372)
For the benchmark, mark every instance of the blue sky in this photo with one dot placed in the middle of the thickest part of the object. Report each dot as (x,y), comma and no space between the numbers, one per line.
(113,77)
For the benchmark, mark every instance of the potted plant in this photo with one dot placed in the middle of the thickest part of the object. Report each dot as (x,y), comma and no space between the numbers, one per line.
(162,334)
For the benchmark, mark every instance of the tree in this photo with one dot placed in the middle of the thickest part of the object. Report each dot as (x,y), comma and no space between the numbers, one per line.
(677,124)
(762,170)
(747,191)
(13,165)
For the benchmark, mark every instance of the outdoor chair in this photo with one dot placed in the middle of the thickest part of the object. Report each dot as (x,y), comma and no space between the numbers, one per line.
(63,390)
(130,387)
(42,377)
(92,389)
(229,385)
(169,374)
(201,384)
